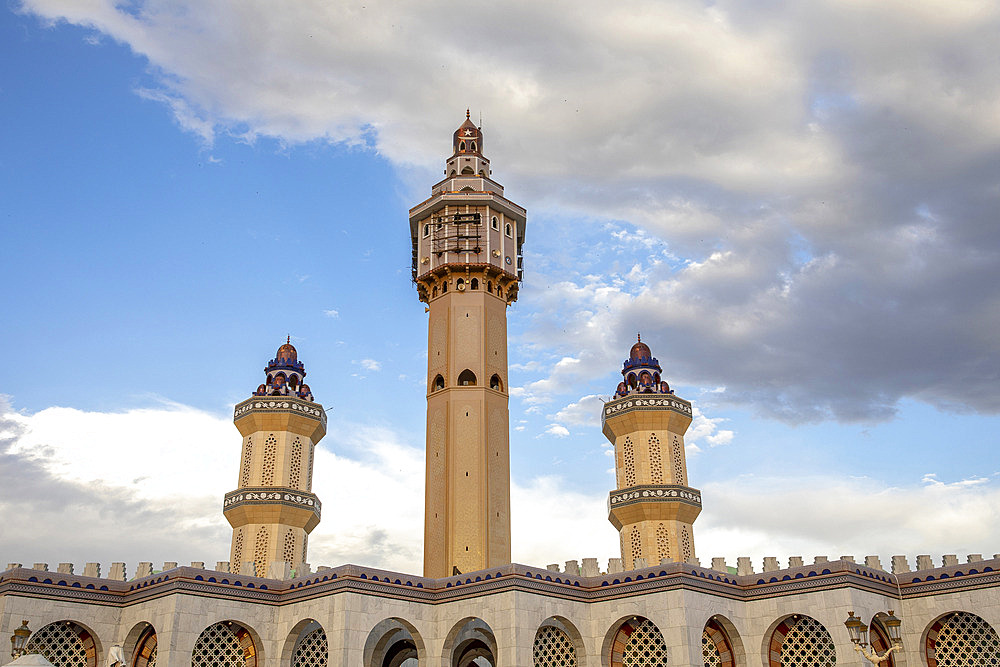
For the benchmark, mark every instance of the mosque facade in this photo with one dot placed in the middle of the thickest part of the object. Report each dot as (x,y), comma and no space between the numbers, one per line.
(654,605)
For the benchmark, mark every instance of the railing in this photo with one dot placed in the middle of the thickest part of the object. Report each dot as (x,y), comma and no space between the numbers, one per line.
(273,403)
(272,494)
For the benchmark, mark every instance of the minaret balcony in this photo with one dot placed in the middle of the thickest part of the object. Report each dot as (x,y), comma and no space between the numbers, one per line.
(656,502)
(276,504)
(650,411)
(275,413)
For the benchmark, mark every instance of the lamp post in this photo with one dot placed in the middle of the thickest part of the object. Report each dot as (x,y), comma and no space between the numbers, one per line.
(859,635)
(19,640)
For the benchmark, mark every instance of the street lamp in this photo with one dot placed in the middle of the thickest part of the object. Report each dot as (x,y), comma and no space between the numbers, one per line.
(19,640)
(859,635)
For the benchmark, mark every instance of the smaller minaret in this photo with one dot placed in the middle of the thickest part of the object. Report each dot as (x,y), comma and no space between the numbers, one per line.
(273,509)
(653,507)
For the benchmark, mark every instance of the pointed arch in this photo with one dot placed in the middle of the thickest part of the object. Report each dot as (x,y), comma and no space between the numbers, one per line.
(466,378)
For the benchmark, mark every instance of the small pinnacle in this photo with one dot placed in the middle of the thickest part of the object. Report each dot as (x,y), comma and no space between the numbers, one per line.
(638,338)
(288,340)
(466,114)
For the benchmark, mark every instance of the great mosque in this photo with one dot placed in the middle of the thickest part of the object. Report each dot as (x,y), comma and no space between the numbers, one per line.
(655,604)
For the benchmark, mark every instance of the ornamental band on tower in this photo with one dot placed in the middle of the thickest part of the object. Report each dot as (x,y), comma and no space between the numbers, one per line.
(467,241)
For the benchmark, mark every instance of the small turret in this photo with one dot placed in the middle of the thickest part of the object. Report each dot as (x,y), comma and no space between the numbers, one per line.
(285,374)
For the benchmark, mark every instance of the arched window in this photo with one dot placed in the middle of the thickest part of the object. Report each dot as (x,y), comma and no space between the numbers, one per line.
(427,231)
(507,230)
(474,146)
(475,283)
(468,171)
(293,382)
(444,287)
(467,378)
(225,644)
(638,642)
(434,291)
(553,648)
(495,223)
(64,643)
(461,146)
(311,648)
(489,286)
(631,380)
(802,641)
(460,284)
(961,638)
(495,383)
(438,383)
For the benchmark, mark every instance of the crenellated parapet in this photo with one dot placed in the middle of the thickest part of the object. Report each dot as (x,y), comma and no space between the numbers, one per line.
(745,578)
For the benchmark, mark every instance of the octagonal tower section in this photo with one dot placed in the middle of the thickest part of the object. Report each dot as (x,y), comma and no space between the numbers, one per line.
(653,507)
(273,510)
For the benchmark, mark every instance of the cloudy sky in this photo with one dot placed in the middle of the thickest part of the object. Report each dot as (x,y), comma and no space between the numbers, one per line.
(795,203)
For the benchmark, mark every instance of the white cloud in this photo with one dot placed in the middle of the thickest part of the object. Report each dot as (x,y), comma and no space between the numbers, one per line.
(821,515)
(584,412)
(723,162)
(74,478)
(706,429)
(558,430)
(370,365)
(334,314)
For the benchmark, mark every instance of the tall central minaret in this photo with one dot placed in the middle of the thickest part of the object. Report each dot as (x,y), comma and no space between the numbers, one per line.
(467,265)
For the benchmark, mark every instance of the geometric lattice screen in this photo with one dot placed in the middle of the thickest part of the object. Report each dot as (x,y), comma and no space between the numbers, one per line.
(962,640)
(709,651)
(803,642)
(715,648)
(553,648)
(312,650)
(644,647)
(64,644)
(224,645)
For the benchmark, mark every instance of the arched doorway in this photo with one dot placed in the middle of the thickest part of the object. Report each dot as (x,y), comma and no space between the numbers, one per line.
(393,642)
(470,643)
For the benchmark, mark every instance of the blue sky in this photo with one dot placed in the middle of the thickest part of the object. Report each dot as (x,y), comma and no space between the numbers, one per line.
(177,196)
